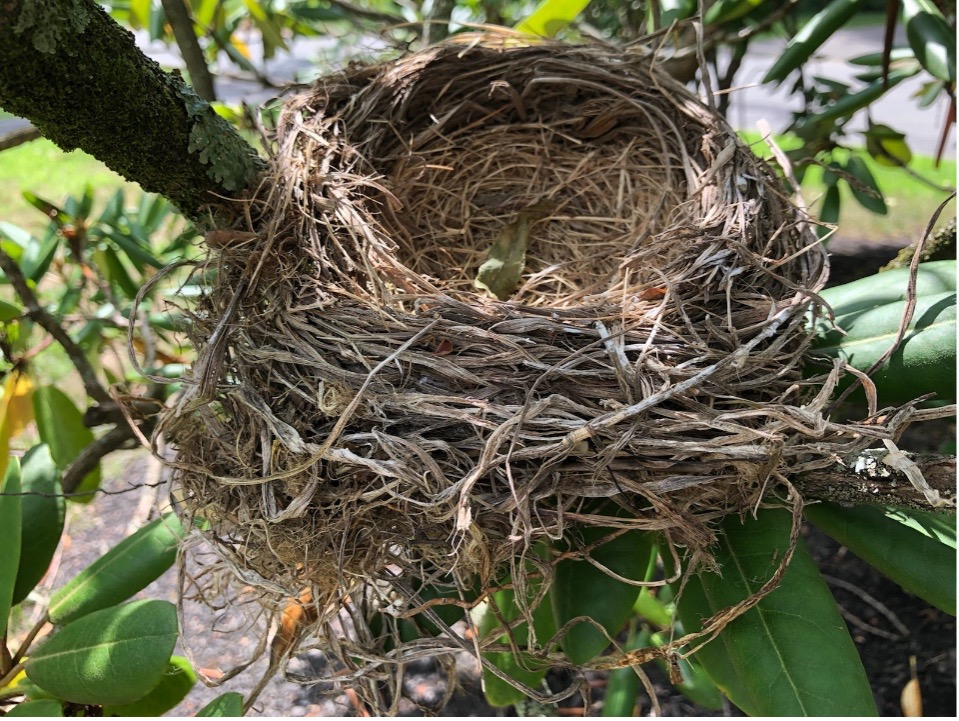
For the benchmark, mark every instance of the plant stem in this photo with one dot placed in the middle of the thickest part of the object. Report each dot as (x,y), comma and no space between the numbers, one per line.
(11,674)
(30,637)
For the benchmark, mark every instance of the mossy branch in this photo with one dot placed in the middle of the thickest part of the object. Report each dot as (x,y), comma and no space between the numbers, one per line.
(82,81)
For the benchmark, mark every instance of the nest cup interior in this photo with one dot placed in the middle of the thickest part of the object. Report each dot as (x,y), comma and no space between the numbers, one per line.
(588,201)
(360,406)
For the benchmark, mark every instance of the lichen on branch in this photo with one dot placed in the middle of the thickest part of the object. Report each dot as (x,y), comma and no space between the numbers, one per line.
(80,78)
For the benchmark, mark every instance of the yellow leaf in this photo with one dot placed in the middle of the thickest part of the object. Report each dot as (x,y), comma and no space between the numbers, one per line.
(911,699)
(9,388)
(20,408)
(241,47)
(14,682)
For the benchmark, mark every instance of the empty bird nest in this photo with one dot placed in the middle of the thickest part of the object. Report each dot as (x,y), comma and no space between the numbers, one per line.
(488,292)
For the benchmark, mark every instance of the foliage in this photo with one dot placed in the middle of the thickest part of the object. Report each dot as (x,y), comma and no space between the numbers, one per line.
(74,287)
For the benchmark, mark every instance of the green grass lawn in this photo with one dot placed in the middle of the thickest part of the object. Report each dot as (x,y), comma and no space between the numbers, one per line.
(41,167)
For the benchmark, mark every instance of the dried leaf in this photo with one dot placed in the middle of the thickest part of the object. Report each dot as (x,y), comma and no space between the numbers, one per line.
(911,699)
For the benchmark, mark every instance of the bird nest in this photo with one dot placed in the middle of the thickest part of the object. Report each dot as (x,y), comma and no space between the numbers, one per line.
(489,292)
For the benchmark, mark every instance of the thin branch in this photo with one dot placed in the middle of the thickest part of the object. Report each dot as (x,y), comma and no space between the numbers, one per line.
(380,17)
(865,483)
(182,24)
(19,136)
(30,637)
(50,324)
(90,456)
(12,674)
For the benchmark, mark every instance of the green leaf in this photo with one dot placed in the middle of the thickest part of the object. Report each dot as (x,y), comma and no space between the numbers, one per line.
(38,255)
(110,657)
(501,272)
(931,38)
(174,685)
(138,255)
(9,311)
(790,655)
(608,602)
(813,34)
(924,362)
(524,668)
(60,424)
(830,209)
(866,192)
(43,511)
(889,287)
(53,212)
(887,146)
(850,104)
(622,687)
(10,533)
(229,705)
(551,17)
(125,569)
(311,12)
(875,59)
(671,11)
(116,272)
(725,10)
(915,549)
(44,707)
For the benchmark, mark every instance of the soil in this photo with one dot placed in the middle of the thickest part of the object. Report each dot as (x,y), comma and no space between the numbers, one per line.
(889,626)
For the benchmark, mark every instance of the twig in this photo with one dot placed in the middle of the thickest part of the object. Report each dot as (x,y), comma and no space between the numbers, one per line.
(5,660)
(18,137)
(90,456)
(34,632)
(149,498)
(866,627)
(892,11)
(90,381)
(11,674)
(864,480)
(182,24)
(893,618)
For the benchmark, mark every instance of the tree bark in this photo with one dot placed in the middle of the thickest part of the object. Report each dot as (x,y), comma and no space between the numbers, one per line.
(865,480)
(80,79)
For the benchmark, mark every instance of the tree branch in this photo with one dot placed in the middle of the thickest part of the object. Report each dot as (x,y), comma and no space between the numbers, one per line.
(46,321)
(80,78)
(19,136)
(90,456)
(182,24)
(865,480)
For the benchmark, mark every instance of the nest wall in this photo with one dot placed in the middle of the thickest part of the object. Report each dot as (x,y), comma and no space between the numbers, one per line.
(362,415)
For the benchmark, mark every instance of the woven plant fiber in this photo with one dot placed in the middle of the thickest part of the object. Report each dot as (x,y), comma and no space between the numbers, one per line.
(489,292)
